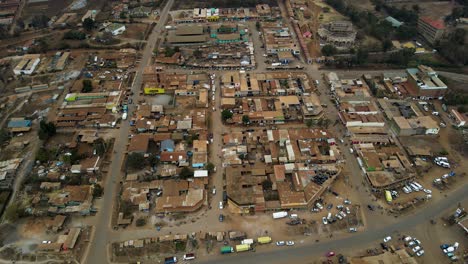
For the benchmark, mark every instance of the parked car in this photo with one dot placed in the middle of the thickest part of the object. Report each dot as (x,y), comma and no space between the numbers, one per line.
(420,253)
(330,254)
(221,217)
(352,229)
(408,238)
(290,243)
(416,249)
(324,220)
(386,239)
(189,256)
(280,243)
(221,206)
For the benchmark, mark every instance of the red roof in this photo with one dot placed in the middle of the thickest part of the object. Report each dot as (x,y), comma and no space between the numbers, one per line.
(439,24)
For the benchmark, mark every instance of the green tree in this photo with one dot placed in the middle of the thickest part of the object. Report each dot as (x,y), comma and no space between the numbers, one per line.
(140,222)
(185,173)
(197,53)
(13,212)
(42,155)
(136,160)
(311,122)
(226,115)
(361,56)
(87,86)
(100,146)
(245,120)
(40,21)
(97,191)
(74,35)
(210,167)
(46,130)
(386,45)
(329,50)
(257,25)
(4,136)
(88,24)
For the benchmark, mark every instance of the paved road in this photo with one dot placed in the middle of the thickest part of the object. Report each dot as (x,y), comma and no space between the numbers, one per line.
(98,250)
(311,249)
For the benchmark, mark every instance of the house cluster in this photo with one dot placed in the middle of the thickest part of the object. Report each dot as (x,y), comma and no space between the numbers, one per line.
(278,169)
(368,121)
(279,42)
(221,45)
(277,97)
(133,9)
(8,10)
(213,14)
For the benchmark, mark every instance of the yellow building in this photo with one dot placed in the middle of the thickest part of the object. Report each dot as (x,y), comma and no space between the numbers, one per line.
(153,90)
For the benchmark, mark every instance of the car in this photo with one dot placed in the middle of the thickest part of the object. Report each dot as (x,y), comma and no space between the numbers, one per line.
(449,249)
(319,206)
(189,256)
(444,246)
(343,214)
(324,220)
(339,216)
(329,207)
(352,229)
(214,190)
(341,259)
(330,254)
(386,239)
(427,191)
(339,207)
(411,243)
(450,254)
(290,243)
(370,207)
(348,211)
(417,241)
(280,243)
(408,238)
(221,206)
(347,201)
(420,253)
(130,101)
(455,245)
(416,249)
(221,218)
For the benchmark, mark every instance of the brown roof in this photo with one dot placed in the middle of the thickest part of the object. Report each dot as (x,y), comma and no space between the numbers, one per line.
(173,156)
(139,143)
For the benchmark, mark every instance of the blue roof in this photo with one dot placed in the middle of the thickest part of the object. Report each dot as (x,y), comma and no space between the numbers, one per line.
(19,123)
(167,144)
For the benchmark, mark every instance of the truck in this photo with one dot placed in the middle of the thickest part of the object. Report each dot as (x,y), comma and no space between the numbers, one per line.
(281,214)
(242,248)
(170,260)
(227,250)
(124,116)
(276,64)
(264,240)
(247,241)
(388,196)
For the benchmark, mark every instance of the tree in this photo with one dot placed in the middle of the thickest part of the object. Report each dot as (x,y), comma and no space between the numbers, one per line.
(46,130)
(197,53)
(185,173)
(257,25)
(87,86)
(100,146)
(88,24)
(42,155)
(210,167)
(4,136)
(245,120)
(97,191)
(12,213)
(329,50)
(74,35)
(40,21)
(415,8)
(386,45)
(267,185)
(226,115)
(140,222)
(311,122)
(361,56)
(136,160)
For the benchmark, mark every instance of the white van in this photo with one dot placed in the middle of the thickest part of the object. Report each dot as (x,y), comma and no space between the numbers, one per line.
(329,216)
(418,185)
(351,150)
(414,187)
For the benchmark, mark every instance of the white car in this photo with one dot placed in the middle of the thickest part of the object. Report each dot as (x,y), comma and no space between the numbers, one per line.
(417,241)
(221,206)
(339,216)
(324,220)
(416,249)
(387,239)
(412,243)
(319,206)
(352,229)
(348,211)
(408,238)
(420,253)
(280,243)
(290,243)
(427,191)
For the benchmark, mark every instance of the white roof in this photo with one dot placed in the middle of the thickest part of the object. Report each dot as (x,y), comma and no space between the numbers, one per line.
(200,173)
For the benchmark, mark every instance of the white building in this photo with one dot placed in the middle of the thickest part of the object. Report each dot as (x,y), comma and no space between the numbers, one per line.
(27,65)
(116,29)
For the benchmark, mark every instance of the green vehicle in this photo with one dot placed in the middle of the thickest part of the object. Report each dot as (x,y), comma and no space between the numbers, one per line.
(227,250)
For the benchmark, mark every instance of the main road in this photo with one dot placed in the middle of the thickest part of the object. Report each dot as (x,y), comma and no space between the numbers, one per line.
(98,250)
(311,250)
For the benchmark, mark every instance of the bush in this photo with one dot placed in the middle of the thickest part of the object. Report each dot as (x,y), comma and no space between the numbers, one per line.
(136,161)
(140,222)
(98,191)
(87,86)
(46,130)
(75,35)
(329,50)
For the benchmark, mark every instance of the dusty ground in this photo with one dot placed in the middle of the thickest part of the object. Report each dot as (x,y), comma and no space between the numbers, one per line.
(49,8)
(135,31)
(426,8)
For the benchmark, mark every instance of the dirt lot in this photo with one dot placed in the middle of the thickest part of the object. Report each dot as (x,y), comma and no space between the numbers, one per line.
(49,8)
(426,8)
(135,31)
